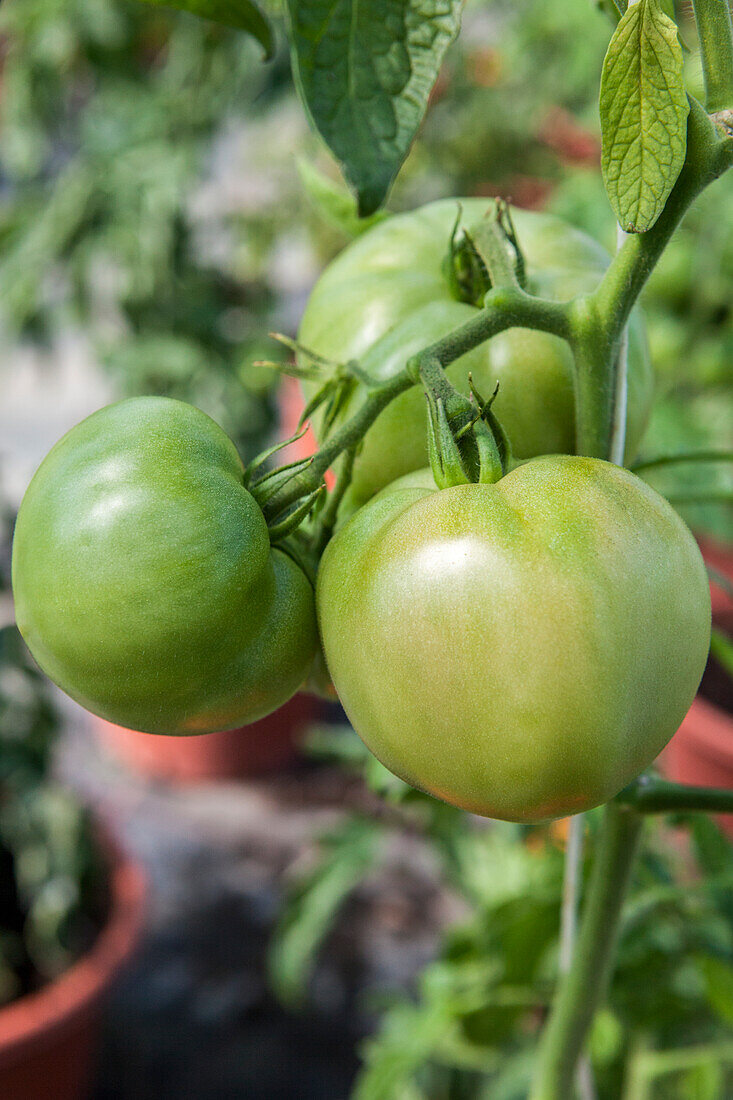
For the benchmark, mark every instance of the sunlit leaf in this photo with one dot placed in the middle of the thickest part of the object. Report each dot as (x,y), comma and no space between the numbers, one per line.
(644,112)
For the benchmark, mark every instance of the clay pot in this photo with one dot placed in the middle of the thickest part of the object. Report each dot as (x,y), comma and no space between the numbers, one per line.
(290,406)
(721,559)
(266,746)
(701,752)
(48,1039)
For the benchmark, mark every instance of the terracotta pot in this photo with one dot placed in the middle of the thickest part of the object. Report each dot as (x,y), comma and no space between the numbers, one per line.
(48,1039)
(570,139)
(290,408)
(721,559)
(266,746)
(701,752)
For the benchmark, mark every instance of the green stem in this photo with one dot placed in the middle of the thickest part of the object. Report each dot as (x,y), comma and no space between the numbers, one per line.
(713,496)
(597,320)
(715,35)
(329,515)
(585,983)
(707,158)
(648,795)
(596,353)
(505,307)
(682,456)
(593,324)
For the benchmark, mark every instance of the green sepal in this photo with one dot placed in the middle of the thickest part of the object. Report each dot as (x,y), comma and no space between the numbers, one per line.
(285,527)
(477,452)
(499,436)
(299,548)
(270,484)
(259,460)
(338,381)
(446,460)
(463,269)
(495,241)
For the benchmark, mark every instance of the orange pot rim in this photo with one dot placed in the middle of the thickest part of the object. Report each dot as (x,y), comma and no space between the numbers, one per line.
(35,1020)
(711,729)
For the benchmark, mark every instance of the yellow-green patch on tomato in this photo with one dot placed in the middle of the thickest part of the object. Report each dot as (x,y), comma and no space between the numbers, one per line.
(522,650)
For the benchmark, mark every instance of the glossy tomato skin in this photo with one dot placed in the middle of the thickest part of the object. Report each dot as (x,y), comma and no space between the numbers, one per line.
(521,650)
(145,584)
(386,297)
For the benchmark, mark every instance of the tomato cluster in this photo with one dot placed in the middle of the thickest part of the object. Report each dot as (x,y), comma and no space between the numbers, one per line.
(521,649)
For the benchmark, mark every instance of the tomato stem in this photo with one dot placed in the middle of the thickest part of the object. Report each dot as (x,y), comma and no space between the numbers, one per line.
(681,457)
(582,988)
(648,795)
(708,156)
(329,515)
(505,307)
(592,324)
(715,34)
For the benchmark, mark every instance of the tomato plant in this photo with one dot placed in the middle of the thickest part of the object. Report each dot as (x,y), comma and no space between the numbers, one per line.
(523,640)
(145,583)
(389,294)
(522,649)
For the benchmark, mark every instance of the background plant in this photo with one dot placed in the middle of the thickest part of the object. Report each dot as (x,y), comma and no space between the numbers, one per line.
(52,876)
(372,179)
(469,1031)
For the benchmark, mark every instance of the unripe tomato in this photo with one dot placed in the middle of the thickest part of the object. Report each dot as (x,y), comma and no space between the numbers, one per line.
(144,580)
(521,650)
(386,297)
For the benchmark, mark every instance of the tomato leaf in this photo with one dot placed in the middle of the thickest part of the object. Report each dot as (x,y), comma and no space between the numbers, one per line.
(245,15)
(310,912)
(364,73)
(644,112)
(719,981)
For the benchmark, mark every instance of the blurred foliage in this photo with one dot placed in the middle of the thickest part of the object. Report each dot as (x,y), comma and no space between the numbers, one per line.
(109,116)
(52,881)
(469,1031)
(149,195)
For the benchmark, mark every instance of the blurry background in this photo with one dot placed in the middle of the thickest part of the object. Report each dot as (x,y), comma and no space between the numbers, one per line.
(159,215)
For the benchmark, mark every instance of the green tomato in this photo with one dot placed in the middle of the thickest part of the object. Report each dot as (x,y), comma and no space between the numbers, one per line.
(144,580)
(521,650)
(386,297)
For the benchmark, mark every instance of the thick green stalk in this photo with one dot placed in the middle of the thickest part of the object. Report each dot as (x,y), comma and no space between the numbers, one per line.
(584,985)
(680,458)
(707,158)
(715,34)
(595,349)
(597,320)
(593,324)
(648,795)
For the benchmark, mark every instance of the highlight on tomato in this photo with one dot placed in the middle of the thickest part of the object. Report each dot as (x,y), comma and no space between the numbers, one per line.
(521,649)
